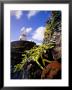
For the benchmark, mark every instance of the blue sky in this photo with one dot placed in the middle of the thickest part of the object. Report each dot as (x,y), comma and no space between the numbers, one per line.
(30,22)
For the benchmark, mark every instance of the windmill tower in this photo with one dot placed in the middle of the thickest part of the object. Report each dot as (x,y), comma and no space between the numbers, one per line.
(23,36)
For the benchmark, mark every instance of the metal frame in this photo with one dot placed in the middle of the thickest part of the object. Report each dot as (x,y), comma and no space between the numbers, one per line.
(2,36)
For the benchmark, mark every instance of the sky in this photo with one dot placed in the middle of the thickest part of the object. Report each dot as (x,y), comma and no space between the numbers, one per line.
(31,23)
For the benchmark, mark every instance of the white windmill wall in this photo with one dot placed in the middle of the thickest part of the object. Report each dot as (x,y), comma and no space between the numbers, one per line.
(23,34)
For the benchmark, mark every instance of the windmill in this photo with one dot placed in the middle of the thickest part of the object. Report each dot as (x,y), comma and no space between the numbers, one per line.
(23,35)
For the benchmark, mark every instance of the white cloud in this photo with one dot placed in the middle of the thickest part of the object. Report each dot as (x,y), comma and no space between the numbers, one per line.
(39,34)
(32,13)
(17,13)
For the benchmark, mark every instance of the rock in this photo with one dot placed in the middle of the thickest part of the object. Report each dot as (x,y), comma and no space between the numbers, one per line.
(16,75)
(51,70)
(31,70)
(56,52)
(37,74)
(56,37)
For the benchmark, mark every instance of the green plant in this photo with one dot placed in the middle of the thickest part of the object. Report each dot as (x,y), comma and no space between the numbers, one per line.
(34,54)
